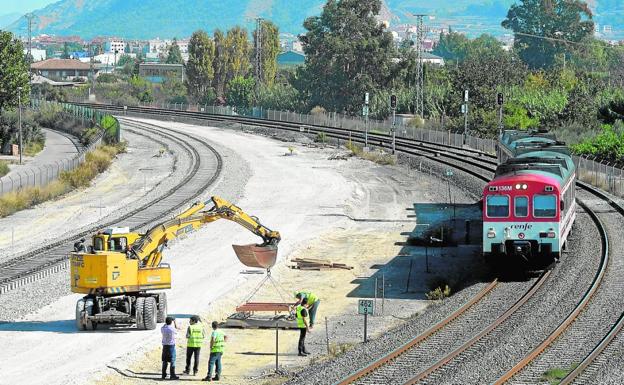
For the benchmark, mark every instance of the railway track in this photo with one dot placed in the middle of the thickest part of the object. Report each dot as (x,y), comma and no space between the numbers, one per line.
(476,164)
(204,169)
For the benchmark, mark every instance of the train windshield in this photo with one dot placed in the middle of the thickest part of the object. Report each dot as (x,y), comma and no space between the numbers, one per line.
(521,206)
(497,206)
(544,206)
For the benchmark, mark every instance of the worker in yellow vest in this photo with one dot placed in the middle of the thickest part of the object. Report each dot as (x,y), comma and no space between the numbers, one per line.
(195,335)
(217,345)
(313,304)
(302,324)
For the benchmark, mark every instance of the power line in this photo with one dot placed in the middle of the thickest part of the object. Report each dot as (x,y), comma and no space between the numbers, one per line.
(562,40)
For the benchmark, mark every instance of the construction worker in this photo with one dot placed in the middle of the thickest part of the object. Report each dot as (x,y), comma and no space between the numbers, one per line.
(313,304)
(79,246)
(302,324)
(195,335)
(168,332)
(217,345)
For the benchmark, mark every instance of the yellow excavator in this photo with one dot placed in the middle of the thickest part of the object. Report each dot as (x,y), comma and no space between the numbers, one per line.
(119,272)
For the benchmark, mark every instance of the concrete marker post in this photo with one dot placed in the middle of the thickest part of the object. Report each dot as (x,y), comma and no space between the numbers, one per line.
(327,334)
(276,348)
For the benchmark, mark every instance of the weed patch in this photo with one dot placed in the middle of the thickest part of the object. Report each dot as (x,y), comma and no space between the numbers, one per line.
(555,375)
(96,162)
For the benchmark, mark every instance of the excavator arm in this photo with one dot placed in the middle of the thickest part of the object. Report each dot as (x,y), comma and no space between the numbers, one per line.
(148,248)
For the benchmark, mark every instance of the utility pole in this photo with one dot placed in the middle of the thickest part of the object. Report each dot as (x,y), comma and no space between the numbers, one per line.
(29,58)
(465,111)
(91,69)
(365,113)
(420,74)
(258,47)
(500,99)
(19,106)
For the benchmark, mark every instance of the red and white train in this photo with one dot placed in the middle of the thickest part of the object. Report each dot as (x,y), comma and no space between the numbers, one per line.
(529,207)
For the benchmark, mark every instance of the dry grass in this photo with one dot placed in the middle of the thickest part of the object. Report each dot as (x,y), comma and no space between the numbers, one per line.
(379,157)
(96,162)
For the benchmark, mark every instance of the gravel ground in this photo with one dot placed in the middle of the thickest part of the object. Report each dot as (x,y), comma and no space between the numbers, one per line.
(602,312)
(112,193)
(534,321)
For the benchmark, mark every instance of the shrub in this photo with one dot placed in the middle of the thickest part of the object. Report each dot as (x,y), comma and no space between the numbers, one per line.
(321,137)
(439,293)
(318,110)
(4,168)
(33,148)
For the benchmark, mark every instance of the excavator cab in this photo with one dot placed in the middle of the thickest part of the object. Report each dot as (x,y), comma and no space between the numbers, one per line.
(114,239)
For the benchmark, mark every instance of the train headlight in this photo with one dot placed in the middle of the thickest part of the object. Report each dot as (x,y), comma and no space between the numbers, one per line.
(551,233)
(518,186)
(524,186)
(491,233)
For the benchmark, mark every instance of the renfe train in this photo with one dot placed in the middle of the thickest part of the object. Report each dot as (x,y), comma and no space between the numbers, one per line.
(529,207)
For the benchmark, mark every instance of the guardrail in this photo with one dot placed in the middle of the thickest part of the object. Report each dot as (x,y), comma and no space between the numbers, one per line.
(42,175)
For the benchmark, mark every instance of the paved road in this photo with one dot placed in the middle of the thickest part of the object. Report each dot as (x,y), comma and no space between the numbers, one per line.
(58,146)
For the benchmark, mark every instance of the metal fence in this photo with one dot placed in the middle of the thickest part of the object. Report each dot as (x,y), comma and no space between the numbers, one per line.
(602,174)
(42,175)
(403,127)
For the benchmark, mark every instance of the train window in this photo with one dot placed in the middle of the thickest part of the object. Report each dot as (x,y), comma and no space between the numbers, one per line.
(521,206)
(497,206)
(544,206)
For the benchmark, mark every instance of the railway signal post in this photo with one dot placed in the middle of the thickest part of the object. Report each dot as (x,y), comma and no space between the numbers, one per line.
(365,113)
(393,106)
(500,100)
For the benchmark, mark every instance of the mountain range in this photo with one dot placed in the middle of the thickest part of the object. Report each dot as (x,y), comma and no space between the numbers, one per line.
(139,19)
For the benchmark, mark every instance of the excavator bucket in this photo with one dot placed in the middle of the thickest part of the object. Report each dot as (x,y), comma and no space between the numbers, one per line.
(263,257)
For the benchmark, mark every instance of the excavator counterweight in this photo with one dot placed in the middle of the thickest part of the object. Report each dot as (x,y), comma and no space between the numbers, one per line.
(121,269)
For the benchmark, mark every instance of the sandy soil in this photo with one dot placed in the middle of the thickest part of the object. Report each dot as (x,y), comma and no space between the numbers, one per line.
(306,198)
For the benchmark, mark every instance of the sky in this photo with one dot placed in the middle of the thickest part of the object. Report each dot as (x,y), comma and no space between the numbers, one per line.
(22,6)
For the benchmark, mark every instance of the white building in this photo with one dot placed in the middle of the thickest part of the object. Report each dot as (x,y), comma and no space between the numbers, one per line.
(37,54)
(115,45)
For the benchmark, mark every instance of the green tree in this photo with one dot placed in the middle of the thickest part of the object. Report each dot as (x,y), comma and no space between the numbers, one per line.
(238,53)
(174,90)
(542,27)
(241,92)
(65,54)
(348,53)
(199,68)
(141,89)
(221,62)
(453,46)
(174,55)
(269,48)
(484,76)
(14,71)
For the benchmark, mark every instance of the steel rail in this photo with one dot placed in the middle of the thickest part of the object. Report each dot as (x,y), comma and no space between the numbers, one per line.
(604,261)
(420,338)
(617,326)
(487,330)
(38,263)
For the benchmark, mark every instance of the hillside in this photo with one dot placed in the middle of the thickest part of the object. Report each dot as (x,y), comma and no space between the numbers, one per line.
(168,18)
